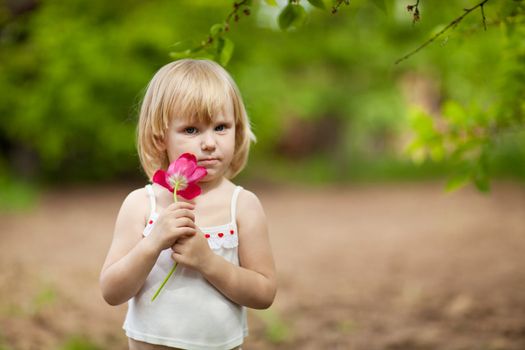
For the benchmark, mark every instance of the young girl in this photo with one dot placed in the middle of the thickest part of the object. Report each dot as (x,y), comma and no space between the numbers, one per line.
(219,239)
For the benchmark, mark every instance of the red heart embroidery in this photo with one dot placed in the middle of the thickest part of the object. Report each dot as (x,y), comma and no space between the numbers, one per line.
(231,232)
(150,222)
(221,234)
(207,235)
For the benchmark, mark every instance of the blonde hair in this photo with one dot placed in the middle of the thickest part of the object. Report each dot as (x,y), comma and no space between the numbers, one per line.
(194,90)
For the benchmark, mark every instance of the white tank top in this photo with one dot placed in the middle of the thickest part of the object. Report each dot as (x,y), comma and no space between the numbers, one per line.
(189,313)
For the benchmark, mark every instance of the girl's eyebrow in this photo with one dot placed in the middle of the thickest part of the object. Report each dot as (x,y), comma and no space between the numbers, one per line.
(182,121)
(219,119)
(223,118)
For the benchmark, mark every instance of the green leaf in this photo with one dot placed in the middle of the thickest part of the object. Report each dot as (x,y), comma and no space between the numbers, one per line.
(271,2)
(422,124)
(204,56)
(177,55)
(286,17)
(216,29)
(413,146)
(416,151)
(455,113)
(225,51)
(461,149)
(293,15)
(183,45)
(184,49)
(481,174)
(437,151)
(381,4)
(482,183)
(318,3)
(457,181)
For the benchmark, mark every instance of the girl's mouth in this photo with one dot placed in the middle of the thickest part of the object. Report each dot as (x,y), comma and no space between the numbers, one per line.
(208,161)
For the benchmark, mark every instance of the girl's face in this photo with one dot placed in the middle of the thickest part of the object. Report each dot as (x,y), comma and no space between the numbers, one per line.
(212,143)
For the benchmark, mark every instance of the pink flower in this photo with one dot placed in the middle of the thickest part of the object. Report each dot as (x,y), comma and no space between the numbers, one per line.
(181,177)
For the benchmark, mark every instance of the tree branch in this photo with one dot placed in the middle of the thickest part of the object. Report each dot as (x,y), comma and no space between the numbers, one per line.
(415,17)
(450,25)
(338,4)
(234,13)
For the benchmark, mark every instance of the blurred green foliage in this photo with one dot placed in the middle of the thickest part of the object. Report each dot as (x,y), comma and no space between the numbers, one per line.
(324,96)
(3,343)
(480,126)
(46,297)
(77,342)
(277,331)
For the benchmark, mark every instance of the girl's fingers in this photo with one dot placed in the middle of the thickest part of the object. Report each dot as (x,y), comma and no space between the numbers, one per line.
(189,201)
(185,222)
(180,205)
(180,223)
(178,258)
(185,213)
(177,247)
(184,232)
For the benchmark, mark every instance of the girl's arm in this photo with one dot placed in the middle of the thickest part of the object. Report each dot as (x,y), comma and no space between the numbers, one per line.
(131,257)
(253,284)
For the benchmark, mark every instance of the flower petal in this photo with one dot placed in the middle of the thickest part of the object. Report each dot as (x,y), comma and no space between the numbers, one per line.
(198,174)
(160,178)
(184,165)
(173,168)
(190,192)
(190,157)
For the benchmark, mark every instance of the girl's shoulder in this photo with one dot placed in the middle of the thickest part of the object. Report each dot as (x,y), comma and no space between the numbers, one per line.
(245,198)
(249,207)
(248,197)
(137,196)
(136,204)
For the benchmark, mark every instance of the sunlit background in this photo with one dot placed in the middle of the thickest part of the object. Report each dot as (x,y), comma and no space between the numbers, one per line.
(353,159)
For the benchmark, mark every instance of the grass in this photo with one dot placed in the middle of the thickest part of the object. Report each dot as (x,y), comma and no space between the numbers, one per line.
(347,326)
(47,296)
(79,342)
(276,329)
(3,343)
(16,195)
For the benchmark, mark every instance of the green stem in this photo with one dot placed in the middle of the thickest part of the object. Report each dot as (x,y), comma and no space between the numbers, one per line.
(175,264)
(175,192)
(164,282)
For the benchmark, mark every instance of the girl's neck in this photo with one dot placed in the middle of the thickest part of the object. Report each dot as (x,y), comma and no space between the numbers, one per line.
(209,186)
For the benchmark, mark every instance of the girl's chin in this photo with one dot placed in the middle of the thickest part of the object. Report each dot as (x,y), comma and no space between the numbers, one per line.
(212,175)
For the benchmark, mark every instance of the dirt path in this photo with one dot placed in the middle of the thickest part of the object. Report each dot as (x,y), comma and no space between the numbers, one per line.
(382,267)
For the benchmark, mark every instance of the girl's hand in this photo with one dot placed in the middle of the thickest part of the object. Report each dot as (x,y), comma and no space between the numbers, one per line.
(175,222)
(193,251)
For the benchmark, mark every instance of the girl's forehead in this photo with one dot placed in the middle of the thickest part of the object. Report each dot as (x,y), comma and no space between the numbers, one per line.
(222,114)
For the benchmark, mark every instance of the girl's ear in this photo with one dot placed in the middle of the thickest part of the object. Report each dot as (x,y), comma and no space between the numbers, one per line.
(159,143)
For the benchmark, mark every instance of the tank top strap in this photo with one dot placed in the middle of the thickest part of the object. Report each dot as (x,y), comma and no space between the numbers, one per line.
(151,196)
(233,209)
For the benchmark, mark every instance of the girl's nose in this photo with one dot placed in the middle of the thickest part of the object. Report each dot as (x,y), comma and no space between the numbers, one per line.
(208,141)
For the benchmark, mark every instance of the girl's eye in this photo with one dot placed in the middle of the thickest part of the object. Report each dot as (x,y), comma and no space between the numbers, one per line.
(190,130)
(221,127)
